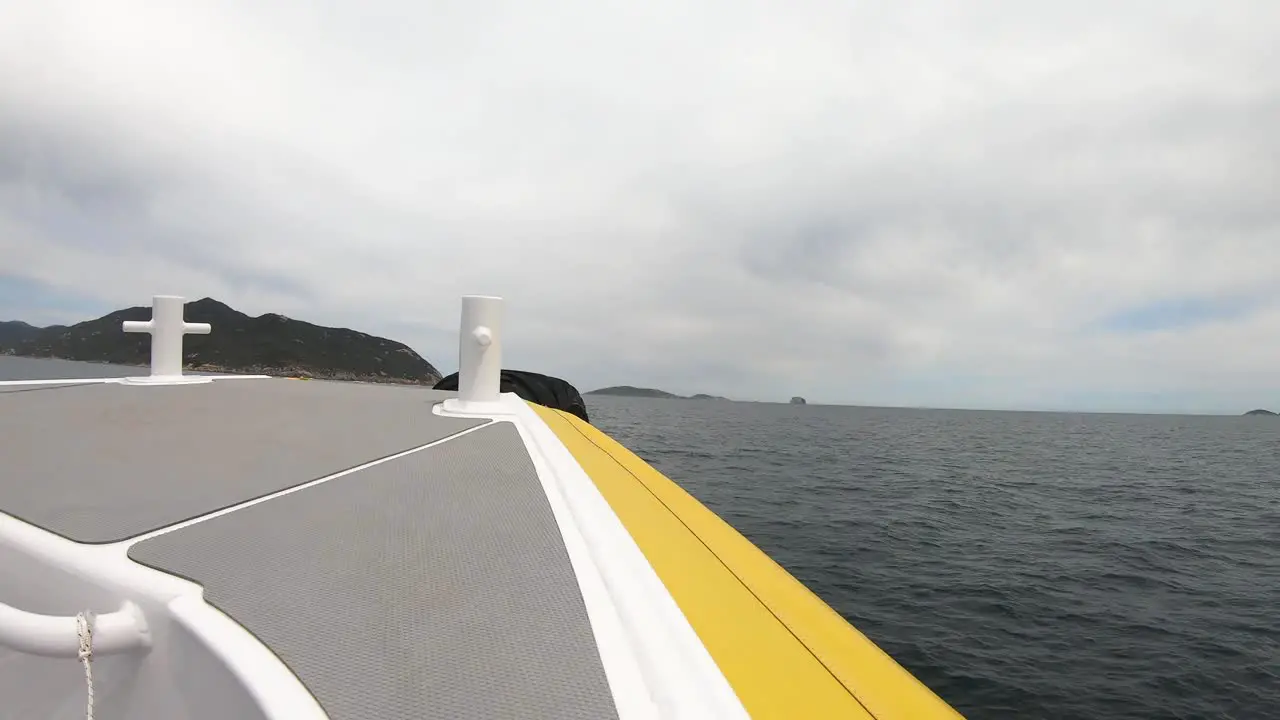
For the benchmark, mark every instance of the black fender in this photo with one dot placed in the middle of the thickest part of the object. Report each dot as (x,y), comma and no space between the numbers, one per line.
(534,387)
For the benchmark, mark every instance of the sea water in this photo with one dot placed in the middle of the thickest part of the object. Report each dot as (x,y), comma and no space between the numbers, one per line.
(1022,565)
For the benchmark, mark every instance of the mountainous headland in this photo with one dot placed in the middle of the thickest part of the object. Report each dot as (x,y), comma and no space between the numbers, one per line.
(1260,411)
(15,332)
(269,344)
(632,391)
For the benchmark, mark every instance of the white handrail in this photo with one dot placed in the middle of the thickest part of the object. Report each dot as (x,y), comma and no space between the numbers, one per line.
(59,636)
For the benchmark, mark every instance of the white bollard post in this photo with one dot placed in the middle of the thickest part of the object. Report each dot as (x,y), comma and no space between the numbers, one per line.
(167,330)
(480,349)
(479,355)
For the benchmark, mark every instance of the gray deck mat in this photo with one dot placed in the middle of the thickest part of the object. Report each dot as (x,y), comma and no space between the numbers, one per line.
(100,463)
(435,585)
(34,388)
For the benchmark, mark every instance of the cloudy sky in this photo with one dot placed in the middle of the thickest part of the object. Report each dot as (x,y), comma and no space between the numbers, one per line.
(1040,204)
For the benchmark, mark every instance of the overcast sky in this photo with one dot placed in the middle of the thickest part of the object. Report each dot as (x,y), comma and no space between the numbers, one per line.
(1040,204)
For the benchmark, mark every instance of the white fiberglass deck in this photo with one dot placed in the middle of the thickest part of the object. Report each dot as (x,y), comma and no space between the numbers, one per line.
(426,577)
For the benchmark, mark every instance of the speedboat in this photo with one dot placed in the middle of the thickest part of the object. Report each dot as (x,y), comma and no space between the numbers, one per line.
(178,545)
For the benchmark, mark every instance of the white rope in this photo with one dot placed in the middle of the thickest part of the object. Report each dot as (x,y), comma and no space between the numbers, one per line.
(84,628)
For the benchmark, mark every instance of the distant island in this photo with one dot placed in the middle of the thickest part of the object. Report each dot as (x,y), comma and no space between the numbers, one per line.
(631,391)
(797,400)
(265,345)
(1260,412)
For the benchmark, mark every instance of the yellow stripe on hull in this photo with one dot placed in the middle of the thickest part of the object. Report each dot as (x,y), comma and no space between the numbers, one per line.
(784,651)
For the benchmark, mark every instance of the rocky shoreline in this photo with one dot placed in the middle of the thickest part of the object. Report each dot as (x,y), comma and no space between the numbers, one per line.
(295,372)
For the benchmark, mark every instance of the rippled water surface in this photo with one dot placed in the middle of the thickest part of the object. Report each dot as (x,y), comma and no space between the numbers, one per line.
(1023,565)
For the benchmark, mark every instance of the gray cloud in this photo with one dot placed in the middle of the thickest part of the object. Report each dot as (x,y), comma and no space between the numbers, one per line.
(938,203)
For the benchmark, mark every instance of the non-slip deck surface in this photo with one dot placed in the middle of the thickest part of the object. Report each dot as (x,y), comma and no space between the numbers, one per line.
(100,463)
(435,585)
(5,389)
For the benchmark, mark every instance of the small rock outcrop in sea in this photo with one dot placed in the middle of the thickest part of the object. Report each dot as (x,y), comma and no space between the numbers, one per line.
(797,400)
(269,344)
(1260,412)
